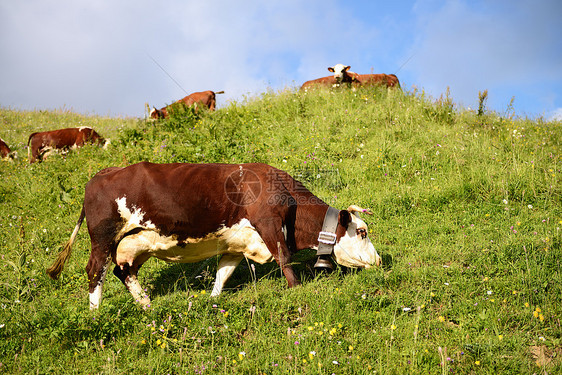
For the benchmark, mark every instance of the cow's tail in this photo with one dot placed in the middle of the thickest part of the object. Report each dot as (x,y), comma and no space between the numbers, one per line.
(29,148)
(55,270)
(219,92)
(29,139)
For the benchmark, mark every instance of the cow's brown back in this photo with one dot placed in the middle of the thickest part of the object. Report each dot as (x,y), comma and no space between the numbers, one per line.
(388,80)
(323,82)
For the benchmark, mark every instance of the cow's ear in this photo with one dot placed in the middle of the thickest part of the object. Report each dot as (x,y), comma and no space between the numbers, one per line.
(330,69)
(346,68)
(344,218)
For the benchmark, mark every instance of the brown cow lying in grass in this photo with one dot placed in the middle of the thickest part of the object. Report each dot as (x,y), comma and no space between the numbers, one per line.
(343,75)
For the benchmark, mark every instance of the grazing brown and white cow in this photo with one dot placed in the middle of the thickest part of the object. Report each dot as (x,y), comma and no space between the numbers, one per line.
(5,151)
(40,145)
(190,212)
(343,75)
(203,98)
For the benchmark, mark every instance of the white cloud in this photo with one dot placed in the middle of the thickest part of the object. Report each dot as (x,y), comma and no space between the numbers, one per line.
(93,56)
(500,46)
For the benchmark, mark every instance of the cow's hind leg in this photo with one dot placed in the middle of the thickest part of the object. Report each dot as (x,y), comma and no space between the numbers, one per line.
(227,265)
(97,270)
(128,275)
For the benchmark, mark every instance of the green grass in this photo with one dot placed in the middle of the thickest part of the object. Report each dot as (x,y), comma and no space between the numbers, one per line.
(467,216)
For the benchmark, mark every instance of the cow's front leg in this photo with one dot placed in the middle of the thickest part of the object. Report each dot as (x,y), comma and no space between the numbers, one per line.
(284,260)
(227,265)
(128,275)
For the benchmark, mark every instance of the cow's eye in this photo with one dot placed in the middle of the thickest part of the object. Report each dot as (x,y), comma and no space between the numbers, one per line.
(362,232)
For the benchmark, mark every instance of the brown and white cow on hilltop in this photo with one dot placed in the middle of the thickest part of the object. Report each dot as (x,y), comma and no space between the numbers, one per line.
(40,145)
(5,151)
(190,212)
(343,75)
(206,99)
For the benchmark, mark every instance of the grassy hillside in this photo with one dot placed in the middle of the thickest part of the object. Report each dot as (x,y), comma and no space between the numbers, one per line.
(467,216)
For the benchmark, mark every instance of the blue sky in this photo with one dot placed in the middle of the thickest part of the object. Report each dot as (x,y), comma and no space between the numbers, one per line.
(96,57)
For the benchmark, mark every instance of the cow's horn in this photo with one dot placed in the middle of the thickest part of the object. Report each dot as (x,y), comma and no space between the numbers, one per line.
(354,208)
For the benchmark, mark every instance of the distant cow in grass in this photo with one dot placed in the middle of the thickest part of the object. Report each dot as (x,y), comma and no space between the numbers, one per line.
(204,98)
(5,151)
(343,75)
(40,145)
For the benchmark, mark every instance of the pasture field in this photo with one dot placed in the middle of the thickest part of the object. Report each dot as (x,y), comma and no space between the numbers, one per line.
(467,217)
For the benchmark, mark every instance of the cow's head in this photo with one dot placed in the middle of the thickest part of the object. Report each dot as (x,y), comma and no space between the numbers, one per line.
(353,248)
(156,113)
(339,71)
